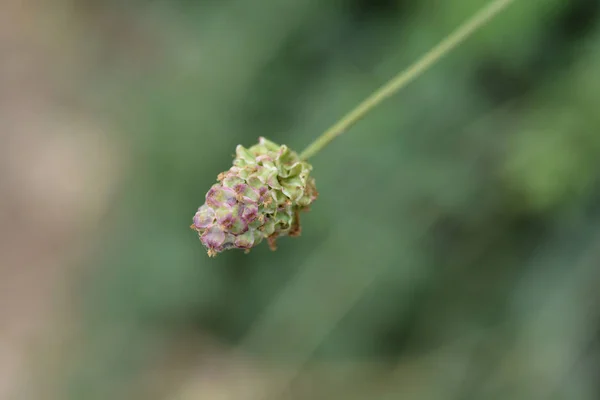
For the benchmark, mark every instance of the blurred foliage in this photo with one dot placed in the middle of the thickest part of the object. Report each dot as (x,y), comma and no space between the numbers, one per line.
(465,209)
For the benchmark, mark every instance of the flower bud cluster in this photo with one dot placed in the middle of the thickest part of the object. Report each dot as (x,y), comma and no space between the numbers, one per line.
(259,197)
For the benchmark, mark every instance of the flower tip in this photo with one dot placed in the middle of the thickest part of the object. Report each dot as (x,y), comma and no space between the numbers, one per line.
(211,253)
(272,241)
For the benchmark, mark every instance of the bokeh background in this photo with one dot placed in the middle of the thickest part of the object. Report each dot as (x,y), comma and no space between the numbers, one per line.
(454,252)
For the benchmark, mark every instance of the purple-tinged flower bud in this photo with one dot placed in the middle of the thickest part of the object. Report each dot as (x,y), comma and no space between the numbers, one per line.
(204,218)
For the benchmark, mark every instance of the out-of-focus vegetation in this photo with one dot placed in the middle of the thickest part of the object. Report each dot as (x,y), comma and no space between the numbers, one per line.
(453,253)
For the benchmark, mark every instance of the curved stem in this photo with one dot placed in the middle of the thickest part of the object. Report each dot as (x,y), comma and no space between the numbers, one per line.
(405,77)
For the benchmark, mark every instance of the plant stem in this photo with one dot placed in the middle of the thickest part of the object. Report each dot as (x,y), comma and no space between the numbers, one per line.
(408,75)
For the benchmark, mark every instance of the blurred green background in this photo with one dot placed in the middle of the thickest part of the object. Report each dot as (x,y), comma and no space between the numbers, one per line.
(453,253)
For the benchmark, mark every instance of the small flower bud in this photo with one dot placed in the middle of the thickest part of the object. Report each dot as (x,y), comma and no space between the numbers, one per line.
(259,197)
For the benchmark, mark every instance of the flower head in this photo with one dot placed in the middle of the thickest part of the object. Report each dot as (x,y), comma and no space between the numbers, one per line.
(259,197)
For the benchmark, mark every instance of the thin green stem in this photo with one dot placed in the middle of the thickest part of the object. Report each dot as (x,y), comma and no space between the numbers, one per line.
(405,77)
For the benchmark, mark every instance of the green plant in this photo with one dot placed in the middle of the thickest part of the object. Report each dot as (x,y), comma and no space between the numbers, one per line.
(261,196)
